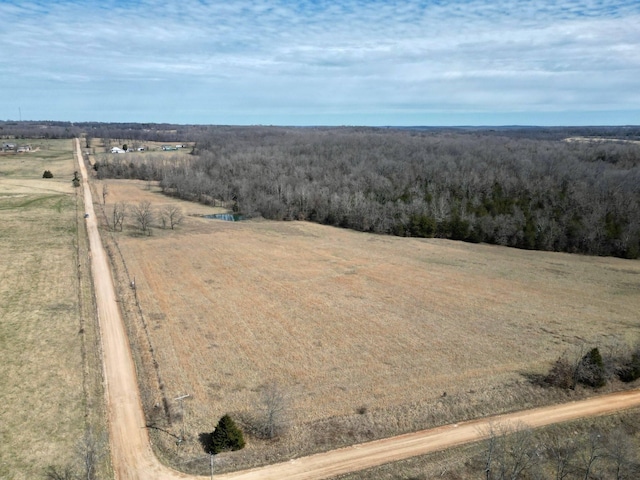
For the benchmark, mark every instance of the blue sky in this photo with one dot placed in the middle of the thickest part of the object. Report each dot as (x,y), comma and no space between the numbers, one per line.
(316,62)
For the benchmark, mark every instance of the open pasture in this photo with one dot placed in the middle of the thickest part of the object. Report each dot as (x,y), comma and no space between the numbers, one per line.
(345,321)
(50,386)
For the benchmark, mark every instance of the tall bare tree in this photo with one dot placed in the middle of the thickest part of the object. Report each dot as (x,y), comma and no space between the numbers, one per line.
(120,211)
(562,451)
(143,214)
(511,453)
(592,452)
(171,216)
(274,403)
(90,450)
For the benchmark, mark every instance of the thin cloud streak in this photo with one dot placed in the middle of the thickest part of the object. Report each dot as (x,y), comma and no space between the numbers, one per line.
(288,60)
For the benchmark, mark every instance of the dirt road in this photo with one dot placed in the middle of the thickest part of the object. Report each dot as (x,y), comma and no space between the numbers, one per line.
(131,452)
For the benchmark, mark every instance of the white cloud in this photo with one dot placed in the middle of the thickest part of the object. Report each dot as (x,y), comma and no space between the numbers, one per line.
(339,56)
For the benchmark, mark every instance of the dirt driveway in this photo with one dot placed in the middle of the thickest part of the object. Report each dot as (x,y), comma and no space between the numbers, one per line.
(131,452)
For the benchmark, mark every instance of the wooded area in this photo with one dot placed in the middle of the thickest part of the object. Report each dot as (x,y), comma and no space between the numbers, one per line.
(572,189)
(526,188)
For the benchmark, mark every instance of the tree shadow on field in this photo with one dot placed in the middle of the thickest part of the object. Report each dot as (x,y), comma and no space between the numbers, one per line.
(206,440)
(537,379)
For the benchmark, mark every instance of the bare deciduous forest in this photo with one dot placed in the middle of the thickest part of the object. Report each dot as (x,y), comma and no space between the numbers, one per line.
(526,188)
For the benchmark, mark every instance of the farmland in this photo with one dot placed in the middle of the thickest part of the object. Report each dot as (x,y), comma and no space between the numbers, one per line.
(365,335)
(50,388)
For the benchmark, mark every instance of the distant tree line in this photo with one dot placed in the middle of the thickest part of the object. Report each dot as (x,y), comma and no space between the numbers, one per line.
(123,132)
(524,189)
(28,129)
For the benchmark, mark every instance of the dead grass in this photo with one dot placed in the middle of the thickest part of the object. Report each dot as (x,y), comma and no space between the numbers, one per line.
(342,319)
(50,389)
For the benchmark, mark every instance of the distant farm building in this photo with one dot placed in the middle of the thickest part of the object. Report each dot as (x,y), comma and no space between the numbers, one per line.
(24,148)
(117,150)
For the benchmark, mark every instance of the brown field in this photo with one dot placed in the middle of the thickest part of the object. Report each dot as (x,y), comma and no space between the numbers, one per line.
(345,321)
(50,386)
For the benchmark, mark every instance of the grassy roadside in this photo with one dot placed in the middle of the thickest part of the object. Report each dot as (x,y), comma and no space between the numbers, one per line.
(51,386)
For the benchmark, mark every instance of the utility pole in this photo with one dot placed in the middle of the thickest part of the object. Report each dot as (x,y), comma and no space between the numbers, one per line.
(211,456)
(180,399)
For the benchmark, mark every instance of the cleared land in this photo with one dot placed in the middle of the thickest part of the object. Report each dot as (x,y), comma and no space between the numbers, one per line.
(50,387)
(343,320)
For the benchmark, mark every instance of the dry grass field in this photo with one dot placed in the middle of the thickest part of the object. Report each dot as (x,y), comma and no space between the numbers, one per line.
(50,386)
(364,334)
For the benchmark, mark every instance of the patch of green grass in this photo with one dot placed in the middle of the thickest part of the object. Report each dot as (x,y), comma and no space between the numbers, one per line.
(35,202)
(58,205)
(56,202)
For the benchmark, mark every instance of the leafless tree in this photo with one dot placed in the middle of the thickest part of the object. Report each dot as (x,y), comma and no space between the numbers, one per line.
(59,473)
(623,455)
(143,215)
(90,450)
(274,404)
(562,451)
(120,211)
(172,216)
(490,453)
(511,452)
(523,189)
(562,373)
(591,452)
